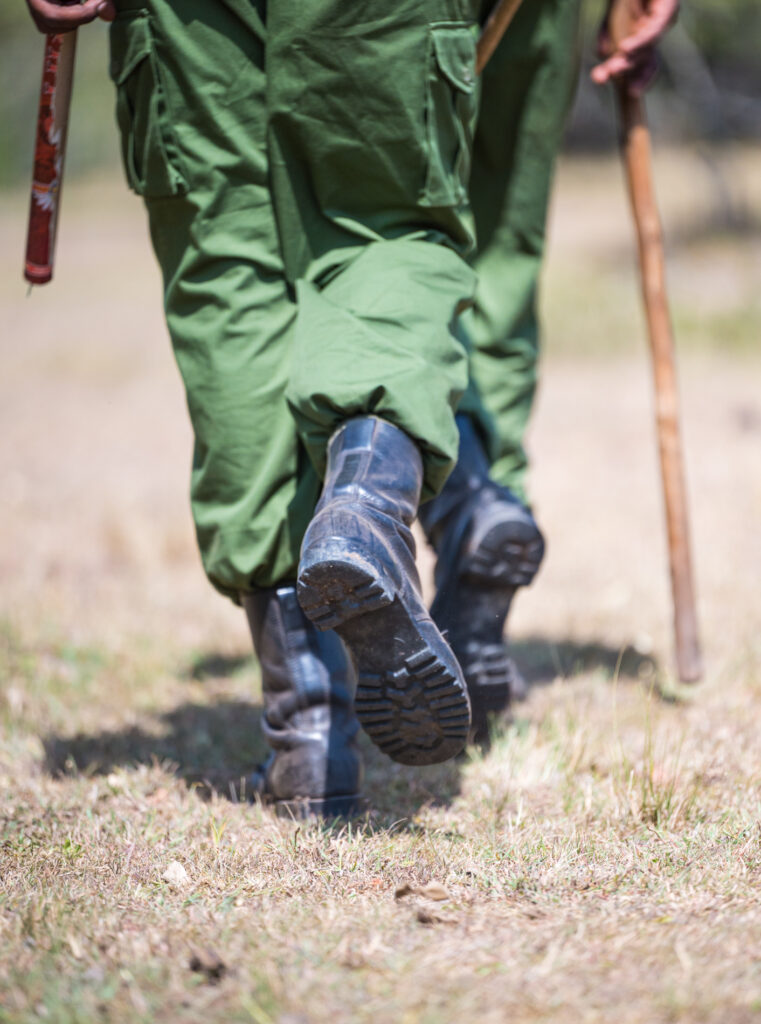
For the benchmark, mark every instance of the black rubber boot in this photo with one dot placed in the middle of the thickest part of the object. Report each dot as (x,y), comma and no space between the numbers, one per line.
(307,684)
(357,575)
(487,545)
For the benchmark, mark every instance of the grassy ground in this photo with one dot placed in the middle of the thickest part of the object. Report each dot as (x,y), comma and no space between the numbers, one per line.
(601,863)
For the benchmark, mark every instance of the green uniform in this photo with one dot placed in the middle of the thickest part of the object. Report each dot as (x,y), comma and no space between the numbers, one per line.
(527,89)
(305,168)
(310,223)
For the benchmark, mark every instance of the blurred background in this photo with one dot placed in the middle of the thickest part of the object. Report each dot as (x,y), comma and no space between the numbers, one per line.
(95,528)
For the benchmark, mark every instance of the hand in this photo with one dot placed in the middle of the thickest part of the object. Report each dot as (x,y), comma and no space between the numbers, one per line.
(50,16)
(639,24)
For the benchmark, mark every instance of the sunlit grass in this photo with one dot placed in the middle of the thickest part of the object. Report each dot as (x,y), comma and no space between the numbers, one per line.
(600,863)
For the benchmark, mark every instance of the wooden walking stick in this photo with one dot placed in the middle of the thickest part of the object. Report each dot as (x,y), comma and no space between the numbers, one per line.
(636,154)
(495,27)
(49,153)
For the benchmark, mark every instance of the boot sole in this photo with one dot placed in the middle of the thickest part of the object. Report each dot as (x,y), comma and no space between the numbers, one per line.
(489,676)
(508,555)
(411,699)
(490,679)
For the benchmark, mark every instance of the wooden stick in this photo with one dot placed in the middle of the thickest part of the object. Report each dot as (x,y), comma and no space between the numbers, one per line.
(49,153)
(636,153)
(492,32)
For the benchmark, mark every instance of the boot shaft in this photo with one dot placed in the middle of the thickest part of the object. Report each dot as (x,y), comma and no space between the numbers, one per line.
(376,464)
(308,721)
(301,667)
(357,575)
(469,476)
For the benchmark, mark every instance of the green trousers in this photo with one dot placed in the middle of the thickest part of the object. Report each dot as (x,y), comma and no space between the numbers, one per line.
(527,89)
(305,169)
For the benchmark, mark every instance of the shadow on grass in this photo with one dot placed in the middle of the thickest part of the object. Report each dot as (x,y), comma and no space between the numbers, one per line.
(213,747)
(217,666)
(542,661)
(395,793)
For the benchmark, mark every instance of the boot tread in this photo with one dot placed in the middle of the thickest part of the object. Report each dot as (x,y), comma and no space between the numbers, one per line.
(400,684)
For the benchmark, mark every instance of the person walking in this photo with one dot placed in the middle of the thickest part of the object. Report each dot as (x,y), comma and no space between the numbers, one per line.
(306,173)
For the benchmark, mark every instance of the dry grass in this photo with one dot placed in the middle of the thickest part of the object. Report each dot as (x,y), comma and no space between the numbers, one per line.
(601,863)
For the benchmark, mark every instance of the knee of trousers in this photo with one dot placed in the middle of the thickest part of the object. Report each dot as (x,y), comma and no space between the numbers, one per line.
(378,339)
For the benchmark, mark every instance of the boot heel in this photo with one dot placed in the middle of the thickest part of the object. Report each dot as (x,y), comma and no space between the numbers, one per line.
(332,591)
(417,714)
(507,555)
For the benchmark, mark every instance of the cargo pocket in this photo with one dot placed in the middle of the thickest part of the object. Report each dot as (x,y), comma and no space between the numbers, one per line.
(149,149)
(451,109)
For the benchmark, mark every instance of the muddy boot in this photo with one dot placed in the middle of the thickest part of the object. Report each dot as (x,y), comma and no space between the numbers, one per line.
(307,684)
(357,575)
(487,545)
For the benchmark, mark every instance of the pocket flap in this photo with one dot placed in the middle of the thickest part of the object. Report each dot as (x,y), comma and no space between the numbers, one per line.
(130,43)
(455,49)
